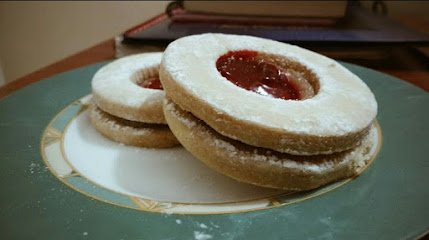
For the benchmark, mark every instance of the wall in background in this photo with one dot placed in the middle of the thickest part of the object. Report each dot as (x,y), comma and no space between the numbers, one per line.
(36,34)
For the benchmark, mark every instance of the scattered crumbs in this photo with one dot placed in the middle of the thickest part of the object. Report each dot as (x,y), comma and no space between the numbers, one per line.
(85,233)
(214,225)
(178,221)
(202,236)
(202,225)
(36,168)
(168,211)
(32,167)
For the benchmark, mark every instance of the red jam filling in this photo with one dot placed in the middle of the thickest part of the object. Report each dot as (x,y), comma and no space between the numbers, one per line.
(245,69)
(153,83)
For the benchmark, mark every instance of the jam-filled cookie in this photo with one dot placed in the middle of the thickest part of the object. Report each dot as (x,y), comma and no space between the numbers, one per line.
(268,94)
(127,102)
(129,88)
(267,113)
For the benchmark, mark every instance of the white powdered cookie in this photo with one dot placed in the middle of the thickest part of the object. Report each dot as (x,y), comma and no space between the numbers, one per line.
(335,119)
(116,90)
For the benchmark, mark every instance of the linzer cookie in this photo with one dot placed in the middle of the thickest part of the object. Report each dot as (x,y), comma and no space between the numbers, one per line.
(127,102)
(267,98)
(121,88)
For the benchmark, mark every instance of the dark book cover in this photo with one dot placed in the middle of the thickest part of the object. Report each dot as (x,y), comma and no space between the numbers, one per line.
(357,26)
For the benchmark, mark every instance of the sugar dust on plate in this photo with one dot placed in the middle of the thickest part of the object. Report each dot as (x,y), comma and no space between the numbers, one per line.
(202,236)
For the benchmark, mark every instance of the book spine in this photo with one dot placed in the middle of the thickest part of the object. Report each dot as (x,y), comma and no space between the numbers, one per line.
(147,24)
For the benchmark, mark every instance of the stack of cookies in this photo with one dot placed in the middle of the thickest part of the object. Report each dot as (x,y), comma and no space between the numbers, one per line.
(267,113)
(127,102)
(256,110)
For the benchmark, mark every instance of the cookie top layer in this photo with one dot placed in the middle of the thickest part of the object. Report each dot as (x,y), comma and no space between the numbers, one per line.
(116,89)
(343,104)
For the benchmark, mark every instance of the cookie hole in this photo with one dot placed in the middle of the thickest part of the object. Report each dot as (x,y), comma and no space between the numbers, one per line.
(147,78)
(268,74)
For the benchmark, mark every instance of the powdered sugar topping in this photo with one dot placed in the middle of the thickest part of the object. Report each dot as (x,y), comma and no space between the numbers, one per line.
(343,104)
(116,81)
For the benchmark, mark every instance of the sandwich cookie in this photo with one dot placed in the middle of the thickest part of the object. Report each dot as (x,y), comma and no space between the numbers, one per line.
(127,102)
(273,98)
(287,98)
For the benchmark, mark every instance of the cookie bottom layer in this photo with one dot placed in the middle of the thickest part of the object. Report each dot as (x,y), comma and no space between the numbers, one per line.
(264,167)
(131,133)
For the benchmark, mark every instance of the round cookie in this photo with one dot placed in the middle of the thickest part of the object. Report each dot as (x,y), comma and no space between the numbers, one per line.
(116,90)
(264,167)
(131,133)
(334,118)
